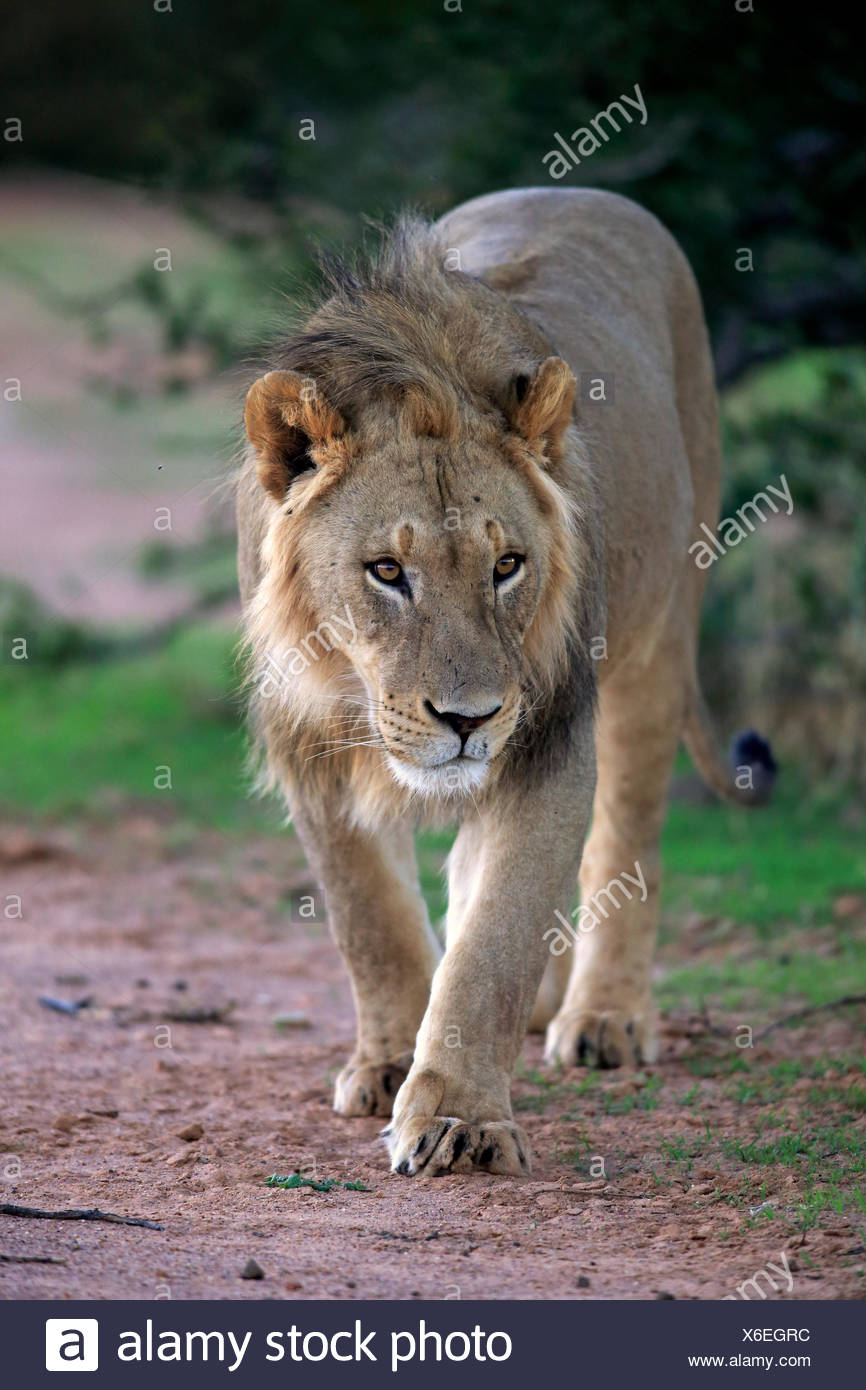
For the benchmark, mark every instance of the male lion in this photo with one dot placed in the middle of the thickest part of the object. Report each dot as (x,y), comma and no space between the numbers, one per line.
(470,598)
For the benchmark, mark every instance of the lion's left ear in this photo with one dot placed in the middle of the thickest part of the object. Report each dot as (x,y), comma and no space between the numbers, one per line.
(541,405)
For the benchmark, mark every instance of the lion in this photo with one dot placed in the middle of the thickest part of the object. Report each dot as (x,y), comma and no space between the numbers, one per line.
(469,598)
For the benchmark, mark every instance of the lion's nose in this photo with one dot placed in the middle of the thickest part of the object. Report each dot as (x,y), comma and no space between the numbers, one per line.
(462,724)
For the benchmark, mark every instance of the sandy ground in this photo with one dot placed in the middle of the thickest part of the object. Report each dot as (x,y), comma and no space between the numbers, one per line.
(151,926)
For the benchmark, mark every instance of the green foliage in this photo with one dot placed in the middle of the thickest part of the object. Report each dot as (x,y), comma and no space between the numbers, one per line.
(415,102)
(784,622)
(50,640)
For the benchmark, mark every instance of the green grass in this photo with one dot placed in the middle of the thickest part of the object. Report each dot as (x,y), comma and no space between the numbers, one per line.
(745,985)
(318,1185)
(79,737)
(786,861)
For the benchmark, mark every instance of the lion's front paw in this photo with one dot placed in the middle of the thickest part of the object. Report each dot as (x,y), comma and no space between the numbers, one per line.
(602,1037)
(423,1139)
(369,1088)
(436,1144)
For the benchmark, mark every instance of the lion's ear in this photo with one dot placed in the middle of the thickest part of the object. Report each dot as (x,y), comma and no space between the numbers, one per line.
(288,423)
(541,405)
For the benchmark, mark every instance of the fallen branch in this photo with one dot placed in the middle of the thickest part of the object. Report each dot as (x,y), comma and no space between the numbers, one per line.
(77,1214)
(709,1027)
(31,1260)
(812,1009)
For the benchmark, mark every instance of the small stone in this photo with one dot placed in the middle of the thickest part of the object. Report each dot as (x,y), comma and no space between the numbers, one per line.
(582,1281)
(189,1133)
(252,1270)
(662,1293)
(65,1123)
(182,1156)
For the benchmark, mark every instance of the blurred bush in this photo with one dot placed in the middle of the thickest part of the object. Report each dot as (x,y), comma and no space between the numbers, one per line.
(784,635)
(753,137)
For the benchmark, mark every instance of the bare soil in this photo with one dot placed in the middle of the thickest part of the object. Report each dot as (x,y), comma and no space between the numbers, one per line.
(158,930)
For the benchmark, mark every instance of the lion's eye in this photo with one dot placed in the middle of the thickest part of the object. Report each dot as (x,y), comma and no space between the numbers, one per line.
(387,570)
(506,565)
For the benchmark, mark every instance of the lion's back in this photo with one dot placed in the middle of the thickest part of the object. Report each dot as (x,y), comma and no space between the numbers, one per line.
(615,296)
(599,274)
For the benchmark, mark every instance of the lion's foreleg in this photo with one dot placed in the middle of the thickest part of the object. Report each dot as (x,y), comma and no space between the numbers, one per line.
(515,864)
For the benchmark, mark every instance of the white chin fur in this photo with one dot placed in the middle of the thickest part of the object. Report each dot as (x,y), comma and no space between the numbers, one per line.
(452,779)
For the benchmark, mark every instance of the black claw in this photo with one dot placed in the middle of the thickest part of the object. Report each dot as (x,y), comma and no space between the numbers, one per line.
(460,1142)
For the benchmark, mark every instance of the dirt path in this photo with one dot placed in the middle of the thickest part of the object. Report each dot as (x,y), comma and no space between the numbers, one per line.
(93,1105)
(97,483)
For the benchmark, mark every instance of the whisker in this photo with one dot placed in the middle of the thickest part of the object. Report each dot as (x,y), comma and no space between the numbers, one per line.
(329,752)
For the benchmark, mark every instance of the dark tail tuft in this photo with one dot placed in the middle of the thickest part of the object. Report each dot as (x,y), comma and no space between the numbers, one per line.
(753,766)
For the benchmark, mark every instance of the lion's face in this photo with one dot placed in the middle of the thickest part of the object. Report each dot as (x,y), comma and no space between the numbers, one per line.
(439,557)
(424,562)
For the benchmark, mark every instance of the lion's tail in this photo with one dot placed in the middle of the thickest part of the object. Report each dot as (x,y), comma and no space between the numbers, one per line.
(747,777)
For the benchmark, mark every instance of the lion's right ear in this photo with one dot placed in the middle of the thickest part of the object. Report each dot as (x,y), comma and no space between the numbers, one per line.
(291,427)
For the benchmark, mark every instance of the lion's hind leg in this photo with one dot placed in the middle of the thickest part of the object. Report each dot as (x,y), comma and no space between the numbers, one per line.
(607,1017)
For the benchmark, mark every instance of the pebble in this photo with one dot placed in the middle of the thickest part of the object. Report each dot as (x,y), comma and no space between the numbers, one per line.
(252,1270)
(191,1132)
(182,1156)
